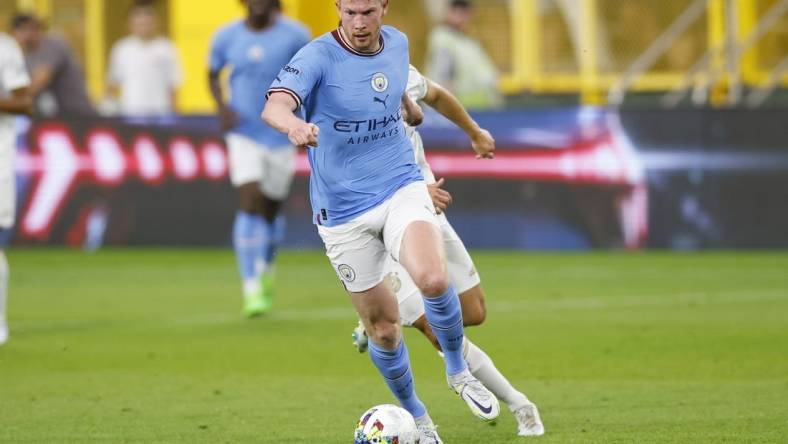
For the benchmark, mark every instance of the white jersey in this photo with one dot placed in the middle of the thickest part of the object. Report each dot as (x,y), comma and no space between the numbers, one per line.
(13,76)
(147,73)
(417,89)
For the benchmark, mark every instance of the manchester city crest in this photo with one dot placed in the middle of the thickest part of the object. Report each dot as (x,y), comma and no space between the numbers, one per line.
(347,273)
(380,82)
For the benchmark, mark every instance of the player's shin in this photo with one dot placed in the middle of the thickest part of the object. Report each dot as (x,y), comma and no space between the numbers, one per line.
(394,366)
(444,315)
(273,235)
(248,243)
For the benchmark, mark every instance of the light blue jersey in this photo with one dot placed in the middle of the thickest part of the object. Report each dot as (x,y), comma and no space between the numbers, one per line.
(364,155)
(254,59)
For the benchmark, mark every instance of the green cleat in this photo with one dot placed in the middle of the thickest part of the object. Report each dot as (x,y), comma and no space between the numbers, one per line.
(267,283)
(255,304)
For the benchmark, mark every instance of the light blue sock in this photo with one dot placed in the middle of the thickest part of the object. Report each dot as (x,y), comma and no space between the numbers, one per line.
(444,315)
(395,367)
(248,243)
(273,235)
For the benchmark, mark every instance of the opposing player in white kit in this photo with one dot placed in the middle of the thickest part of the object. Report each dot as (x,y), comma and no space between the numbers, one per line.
(462,272)
(14,99)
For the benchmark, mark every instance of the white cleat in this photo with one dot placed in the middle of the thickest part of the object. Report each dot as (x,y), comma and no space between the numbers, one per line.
(481,401)
(528,421)
(3,334)
(428,432)
(360,339)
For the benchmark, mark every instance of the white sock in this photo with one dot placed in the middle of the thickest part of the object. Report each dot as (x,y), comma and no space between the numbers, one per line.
(3,287)
(251,286)
(482,367)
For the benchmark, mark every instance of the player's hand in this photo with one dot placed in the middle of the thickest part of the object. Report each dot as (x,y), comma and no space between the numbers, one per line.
(411,112)
(484,144)
(440,197)
(227,118)
(304,135)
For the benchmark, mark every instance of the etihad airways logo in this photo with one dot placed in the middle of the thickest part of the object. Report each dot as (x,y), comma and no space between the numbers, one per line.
(380,128)
(359,126)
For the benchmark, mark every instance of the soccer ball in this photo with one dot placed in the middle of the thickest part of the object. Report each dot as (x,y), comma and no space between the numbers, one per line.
(386,424)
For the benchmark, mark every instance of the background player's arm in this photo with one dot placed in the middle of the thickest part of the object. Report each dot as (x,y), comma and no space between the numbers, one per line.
(227,116)
(411,111)
(19,101)
(447,104)
(278,113)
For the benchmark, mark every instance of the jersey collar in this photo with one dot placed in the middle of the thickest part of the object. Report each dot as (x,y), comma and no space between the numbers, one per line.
(345,44)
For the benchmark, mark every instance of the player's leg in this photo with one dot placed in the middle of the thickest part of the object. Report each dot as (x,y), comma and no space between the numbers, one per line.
(7,213)
(278,173)
(377,308)
(246,170)
(484,369)
(359,257)
(412,234)
(414,237)
(463,275)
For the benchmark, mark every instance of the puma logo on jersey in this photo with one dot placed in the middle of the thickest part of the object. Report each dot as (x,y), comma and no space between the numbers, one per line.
(381,101)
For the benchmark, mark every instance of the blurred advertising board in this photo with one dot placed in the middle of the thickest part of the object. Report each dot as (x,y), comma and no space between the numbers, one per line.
(567,178)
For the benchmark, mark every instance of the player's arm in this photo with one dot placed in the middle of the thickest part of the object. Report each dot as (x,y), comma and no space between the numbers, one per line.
(227,117)
(279,114)
(19,101)
(448,105)
(411,111)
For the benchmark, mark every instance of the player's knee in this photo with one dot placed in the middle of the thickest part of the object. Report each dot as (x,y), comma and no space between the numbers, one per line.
(250,199)
(386,334)
(432,284)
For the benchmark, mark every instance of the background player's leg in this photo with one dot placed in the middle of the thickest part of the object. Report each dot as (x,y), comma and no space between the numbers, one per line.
(277,178)
(273,233)
(481,366)
(3,297)
(474,309)
(377,308)
(248,233)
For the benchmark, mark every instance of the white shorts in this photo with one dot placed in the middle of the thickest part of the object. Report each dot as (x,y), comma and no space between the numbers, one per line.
(251,162)
(359,249)
(7,182)
(462,275)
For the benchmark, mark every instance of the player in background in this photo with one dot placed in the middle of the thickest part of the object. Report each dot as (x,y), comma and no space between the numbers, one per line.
(15,98)
(262,161)
(368,196)
(462,272)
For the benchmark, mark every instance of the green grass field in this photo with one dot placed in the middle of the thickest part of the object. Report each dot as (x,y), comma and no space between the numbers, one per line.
(148,346)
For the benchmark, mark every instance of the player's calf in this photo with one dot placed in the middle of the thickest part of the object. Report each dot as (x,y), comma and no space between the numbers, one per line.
(474,310)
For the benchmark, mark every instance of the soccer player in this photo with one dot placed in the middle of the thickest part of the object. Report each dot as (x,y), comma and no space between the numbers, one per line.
(15,98)
(462,272)
(368,196)
(262,161)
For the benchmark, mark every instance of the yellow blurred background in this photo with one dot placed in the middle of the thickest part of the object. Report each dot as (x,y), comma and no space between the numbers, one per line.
(542,47)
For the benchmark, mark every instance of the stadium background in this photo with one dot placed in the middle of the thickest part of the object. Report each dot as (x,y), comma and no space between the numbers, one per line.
(576,172)
(146,344)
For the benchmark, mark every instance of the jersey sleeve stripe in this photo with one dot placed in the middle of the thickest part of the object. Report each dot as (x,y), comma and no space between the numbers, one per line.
(292,93)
